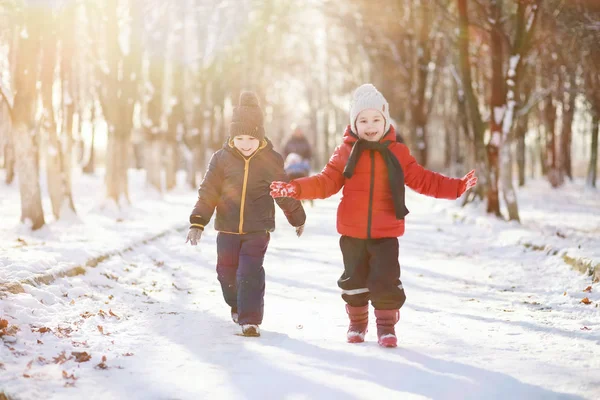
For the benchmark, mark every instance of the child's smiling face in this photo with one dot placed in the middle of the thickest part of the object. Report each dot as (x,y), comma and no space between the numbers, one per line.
(370,125)
(246,144)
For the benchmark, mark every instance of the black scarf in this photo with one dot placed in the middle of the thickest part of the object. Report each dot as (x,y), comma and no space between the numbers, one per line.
(395,172)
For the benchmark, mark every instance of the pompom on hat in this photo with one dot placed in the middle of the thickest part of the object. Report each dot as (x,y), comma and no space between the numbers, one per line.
(247,118)
(367,96)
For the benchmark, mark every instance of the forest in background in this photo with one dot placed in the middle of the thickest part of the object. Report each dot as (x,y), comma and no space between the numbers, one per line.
(510,87)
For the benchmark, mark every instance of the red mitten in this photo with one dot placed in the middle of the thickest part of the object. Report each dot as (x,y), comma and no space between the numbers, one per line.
(467,182)
(283,189)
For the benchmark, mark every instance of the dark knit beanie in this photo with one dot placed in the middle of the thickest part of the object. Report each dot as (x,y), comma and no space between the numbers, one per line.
(247,117)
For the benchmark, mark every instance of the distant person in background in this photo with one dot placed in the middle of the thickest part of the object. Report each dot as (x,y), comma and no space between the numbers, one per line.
(297,167)
(299,144)
(372,167)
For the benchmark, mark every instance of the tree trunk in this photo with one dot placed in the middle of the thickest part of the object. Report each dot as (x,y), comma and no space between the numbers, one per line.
(68,79)
(8,149)
(497,111)
(195,137)
(551,160)
(520,132)
(90,166)
(566,134)
(176,120)
(117,162)
(54,151)
(118,95)
(472,102)
(24,134)
(419,99)
(152,127)
(593,165)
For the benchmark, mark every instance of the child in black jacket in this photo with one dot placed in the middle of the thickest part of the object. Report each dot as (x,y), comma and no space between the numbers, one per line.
(237,185)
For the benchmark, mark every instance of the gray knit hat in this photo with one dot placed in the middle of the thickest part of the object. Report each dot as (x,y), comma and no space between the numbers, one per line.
(367,96)
(247,118)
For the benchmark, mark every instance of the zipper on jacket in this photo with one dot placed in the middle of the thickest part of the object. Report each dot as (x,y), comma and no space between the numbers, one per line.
(244,187)
(245,182)
(371,194)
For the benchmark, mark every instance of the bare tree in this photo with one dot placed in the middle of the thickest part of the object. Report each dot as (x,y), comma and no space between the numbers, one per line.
(472,100)
(176,125)
(24,128)
(118,73)
(156,32)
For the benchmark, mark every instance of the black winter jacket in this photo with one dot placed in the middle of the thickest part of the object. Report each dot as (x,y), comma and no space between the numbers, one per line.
(238,187)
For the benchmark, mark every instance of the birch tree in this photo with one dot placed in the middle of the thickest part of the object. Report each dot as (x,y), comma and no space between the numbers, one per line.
(505,86)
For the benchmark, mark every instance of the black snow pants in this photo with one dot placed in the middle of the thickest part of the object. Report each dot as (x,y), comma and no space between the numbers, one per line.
(371,272)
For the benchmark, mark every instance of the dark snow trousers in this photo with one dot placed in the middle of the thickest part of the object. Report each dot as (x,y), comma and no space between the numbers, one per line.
(241,274)
(371,272)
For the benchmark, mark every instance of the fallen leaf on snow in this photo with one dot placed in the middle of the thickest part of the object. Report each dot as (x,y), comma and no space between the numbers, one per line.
(81,356)
(127,354)
(110,276)
(64,332)
(588,289)
(102,365)
(66,375)
(6,329)
(585,328)
(61,358)
(102,313)
(113,314)
(585,300)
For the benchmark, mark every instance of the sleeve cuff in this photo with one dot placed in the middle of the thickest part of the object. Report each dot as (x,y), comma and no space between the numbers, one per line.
(198,220)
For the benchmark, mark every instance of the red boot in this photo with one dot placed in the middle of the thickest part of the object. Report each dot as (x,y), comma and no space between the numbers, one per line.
(359,320)
(386,319)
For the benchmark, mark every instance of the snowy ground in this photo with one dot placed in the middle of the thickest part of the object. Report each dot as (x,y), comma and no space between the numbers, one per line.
(486,317)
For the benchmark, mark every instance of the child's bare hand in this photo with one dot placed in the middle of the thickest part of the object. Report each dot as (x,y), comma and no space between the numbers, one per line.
(299,230)
(194,236)
(467,182)
(283,189)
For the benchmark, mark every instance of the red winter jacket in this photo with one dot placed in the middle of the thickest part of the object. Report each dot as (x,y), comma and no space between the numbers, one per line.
(354,212)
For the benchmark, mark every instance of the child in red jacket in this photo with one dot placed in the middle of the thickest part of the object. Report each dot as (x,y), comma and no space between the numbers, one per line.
(373,168)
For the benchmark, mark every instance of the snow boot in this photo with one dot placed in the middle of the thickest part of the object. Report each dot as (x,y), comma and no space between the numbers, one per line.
(386,319)
(234,315)
(250,330)
(359,320)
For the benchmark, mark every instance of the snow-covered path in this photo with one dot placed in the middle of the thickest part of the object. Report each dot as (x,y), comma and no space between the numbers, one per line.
(482,320)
